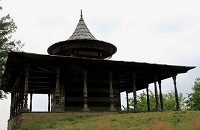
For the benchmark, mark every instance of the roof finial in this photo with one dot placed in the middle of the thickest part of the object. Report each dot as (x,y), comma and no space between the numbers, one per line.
(81,14)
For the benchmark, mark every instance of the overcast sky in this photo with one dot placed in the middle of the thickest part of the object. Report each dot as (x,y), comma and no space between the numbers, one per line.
(163,32)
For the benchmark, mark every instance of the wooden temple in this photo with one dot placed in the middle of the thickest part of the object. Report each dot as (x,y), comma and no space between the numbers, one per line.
(77,76)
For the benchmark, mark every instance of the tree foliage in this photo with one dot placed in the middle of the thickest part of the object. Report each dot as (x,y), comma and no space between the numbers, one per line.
(169,102)
(7,44)
(193,101)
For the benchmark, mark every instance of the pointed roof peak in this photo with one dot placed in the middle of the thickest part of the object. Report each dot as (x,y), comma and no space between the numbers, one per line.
(82,32)
(83,40)
(81,14)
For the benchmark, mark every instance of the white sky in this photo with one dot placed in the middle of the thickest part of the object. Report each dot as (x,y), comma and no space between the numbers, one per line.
(162,31)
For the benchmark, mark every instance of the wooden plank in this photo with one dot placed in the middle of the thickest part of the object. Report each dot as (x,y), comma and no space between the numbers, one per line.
(90,89)
(92,99)
(92,81)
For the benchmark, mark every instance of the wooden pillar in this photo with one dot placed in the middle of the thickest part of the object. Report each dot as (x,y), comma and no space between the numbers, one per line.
(18,100)
(156,92)
(49,102)
(148,104)
(22,97)
(127,101)
(161,98)
(25,108)
(85,107)
(134,93)
(19,97)
(176,93)
(57,100)
(11,105)
(31,97)
(14,103)
(112,108)
(119,93)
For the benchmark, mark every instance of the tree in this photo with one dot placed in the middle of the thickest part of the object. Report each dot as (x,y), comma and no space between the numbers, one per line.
(169,102)
(7,44)
(142,101)
(193,101)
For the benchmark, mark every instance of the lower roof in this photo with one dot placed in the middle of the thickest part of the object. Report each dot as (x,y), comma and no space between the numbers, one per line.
(122,70)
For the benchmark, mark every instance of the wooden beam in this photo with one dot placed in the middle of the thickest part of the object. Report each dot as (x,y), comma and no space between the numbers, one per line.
(161,98)
(123,75)
(112,108)
(49,102)
(85,107)
(31,97)
(127,101)
(135,93)
(26,87)
(57,101)
(148,103)
(176,93)
(156,92)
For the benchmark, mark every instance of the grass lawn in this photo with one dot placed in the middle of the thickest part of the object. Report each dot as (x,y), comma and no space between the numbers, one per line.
(174,120)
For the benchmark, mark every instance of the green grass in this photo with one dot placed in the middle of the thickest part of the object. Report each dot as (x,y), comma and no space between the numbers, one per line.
(178,120)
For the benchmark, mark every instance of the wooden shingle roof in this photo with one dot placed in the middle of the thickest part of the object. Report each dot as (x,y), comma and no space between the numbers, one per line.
(81,31)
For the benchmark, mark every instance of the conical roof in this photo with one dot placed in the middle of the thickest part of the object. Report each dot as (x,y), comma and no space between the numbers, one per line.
(83,44)
(81,31)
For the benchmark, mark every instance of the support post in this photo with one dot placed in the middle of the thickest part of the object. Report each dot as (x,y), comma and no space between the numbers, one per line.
(49,102)
(14,103)
(22,98)
(127,101)
(176,93)
(134,93)
(156,92)
(85,107)
(16,100)
(57,100)
(11,105)
(148,104)
(18,96)
(25,108)
(119,93)
(112,108)
(161,98)
(31,97)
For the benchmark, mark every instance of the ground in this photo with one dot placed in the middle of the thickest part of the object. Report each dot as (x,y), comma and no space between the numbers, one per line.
(175,120)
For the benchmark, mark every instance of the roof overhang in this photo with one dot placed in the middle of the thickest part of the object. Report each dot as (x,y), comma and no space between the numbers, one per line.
(63,47)
(121,69)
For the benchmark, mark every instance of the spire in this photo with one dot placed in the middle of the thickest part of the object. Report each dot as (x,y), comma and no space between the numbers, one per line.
(82,32)
(81,14)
